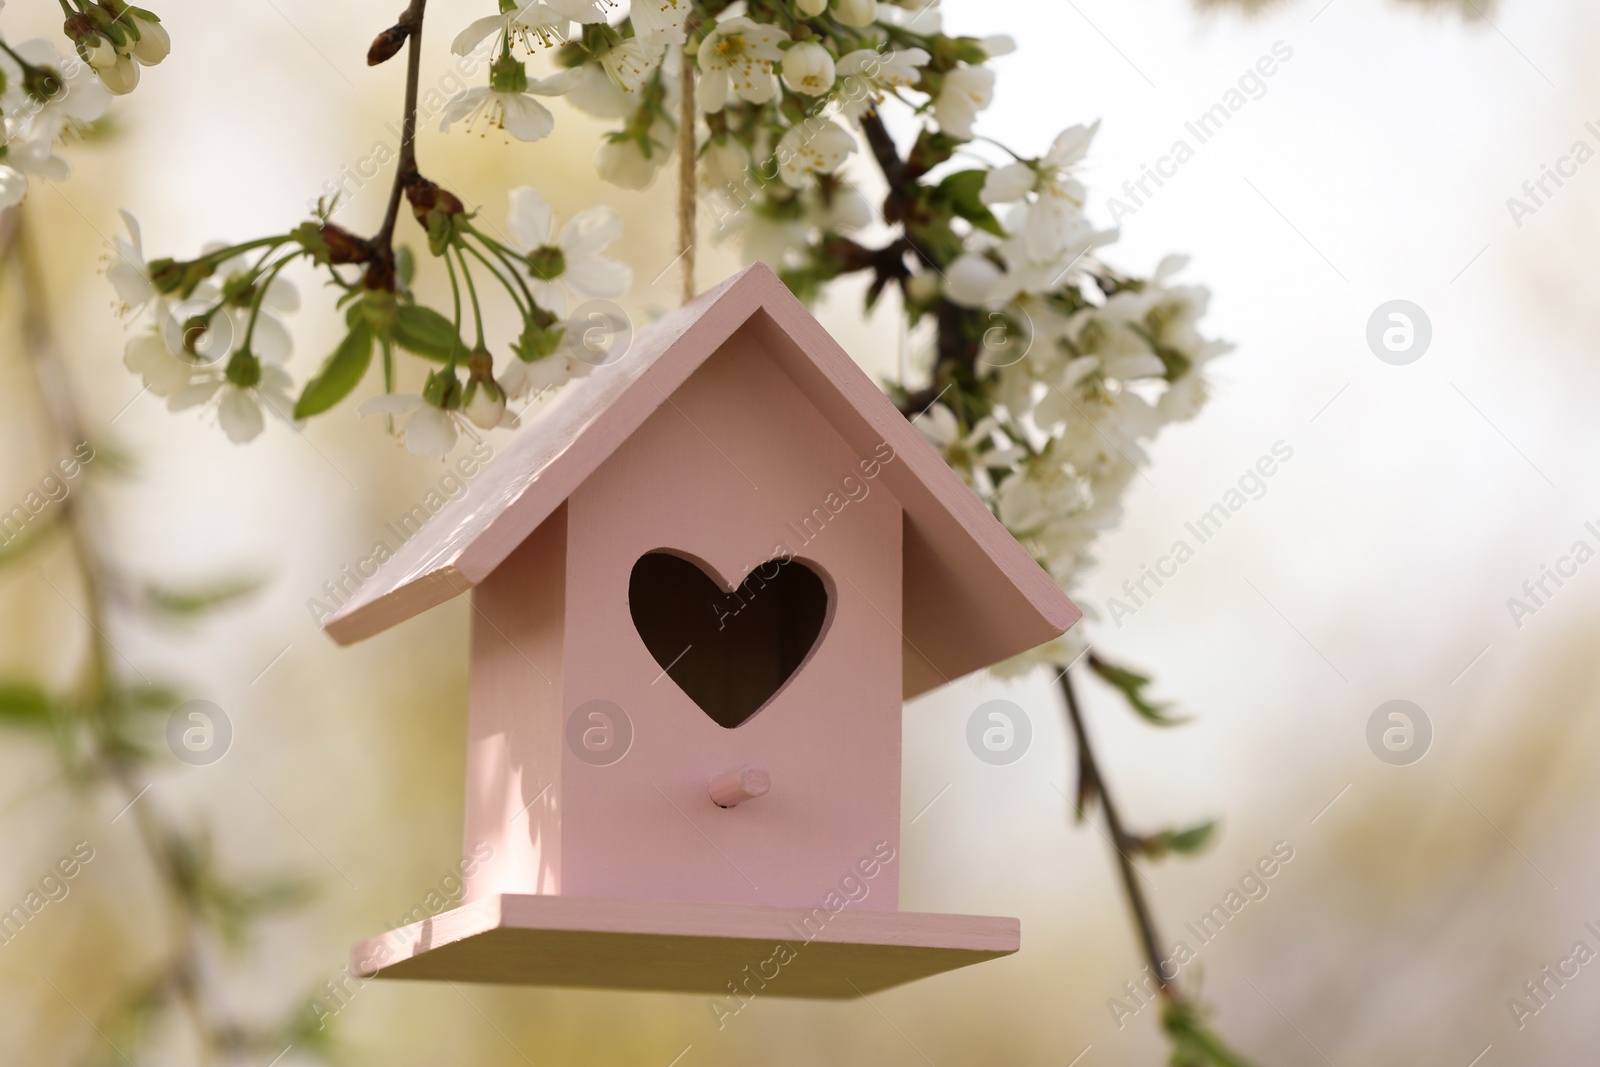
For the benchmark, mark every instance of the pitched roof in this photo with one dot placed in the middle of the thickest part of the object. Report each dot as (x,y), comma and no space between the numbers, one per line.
(973,596)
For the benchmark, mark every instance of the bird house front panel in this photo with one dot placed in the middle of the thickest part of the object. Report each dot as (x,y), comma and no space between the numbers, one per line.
(733,587)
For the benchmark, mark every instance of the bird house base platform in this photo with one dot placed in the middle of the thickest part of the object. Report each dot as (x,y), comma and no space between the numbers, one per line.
(683,947)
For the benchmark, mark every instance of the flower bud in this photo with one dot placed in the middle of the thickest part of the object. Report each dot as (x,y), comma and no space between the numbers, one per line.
(856,12)
(808,68)
(812,8)
(484,402)
(96,49)
(153,43)
(387,45)
(344,246)
(437,210)
(122,77)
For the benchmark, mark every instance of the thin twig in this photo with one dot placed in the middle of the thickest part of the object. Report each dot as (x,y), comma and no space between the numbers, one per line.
(406,168)
(1093,784)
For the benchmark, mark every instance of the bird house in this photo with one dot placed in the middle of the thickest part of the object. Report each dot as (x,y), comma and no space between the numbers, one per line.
(703,582)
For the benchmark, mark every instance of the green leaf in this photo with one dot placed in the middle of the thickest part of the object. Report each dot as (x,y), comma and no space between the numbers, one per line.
(962,192)
(427,333)
(1131,684)
(1194,1043)
(23,704)
(1184,842)
(339,375)
(234,907)
(184,603)
(152,697)
(405,264)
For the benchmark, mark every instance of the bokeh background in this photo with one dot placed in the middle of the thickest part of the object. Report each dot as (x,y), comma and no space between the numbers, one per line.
(1377,566)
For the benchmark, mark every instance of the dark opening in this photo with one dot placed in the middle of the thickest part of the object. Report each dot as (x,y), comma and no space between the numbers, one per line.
(730,652)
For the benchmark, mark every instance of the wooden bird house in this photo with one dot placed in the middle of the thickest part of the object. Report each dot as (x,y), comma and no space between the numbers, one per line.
(703,582)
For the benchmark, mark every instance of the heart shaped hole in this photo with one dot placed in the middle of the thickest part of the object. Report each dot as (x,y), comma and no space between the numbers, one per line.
(728,651)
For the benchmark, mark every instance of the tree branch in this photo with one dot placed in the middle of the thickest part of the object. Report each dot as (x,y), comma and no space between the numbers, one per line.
(218,1034)
(1092,784)
(410,23)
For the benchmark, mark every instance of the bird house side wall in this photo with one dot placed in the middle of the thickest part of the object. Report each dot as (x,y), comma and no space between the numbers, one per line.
(514,725)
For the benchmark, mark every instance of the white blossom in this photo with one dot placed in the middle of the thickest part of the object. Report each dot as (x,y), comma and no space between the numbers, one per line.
(627,64)
(238,408)
(736,58)
(534,25)
(508,103)
(967,91)
(815,146)
(571,258)
(870,74)
(148,355)
(129,274)
(80,100)
(429,431)
(658,24)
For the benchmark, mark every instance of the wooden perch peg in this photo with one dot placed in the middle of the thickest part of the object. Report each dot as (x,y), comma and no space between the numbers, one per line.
(739,785)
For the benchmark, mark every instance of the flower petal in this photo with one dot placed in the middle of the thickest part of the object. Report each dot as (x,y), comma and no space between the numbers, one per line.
(598,276)
(431,433)
(462,105)
(530,218)
(191,395)
(271,341)
(1007,183)
(476,33)
(525,118)
(239,415)
(557,84)
(971,280)
(588,232)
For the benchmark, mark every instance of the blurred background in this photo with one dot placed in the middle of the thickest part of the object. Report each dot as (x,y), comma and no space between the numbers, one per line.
(1375,166)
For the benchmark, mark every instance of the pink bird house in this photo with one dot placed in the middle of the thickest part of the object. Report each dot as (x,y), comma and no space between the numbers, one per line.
(704,579)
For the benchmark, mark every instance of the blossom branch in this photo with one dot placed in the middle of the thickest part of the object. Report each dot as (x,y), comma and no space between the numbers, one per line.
(409,29)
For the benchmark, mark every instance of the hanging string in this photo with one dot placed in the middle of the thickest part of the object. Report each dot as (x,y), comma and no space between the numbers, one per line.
(686,164)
